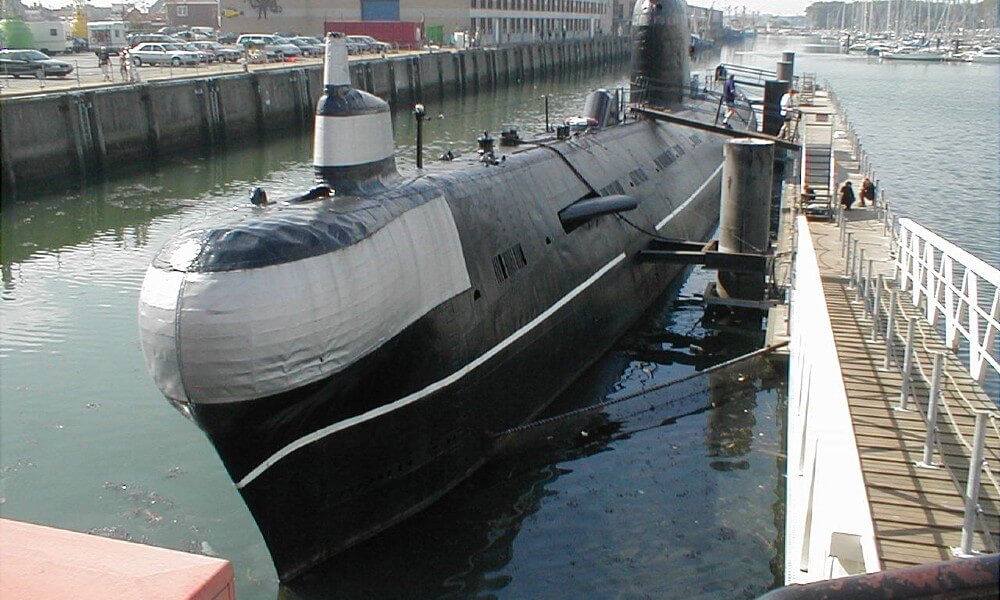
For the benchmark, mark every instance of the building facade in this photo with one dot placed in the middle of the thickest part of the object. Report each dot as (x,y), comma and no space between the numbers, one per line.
(486,22)
(192,13)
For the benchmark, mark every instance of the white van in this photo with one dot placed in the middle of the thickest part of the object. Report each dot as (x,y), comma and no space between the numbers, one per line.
(50,36)
(106,34)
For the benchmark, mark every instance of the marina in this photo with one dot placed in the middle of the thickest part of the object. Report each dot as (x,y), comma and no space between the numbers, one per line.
(526,537)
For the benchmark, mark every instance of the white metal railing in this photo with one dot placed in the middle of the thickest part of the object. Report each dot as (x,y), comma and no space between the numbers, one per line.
(917,353)
(929,267)
(828,523)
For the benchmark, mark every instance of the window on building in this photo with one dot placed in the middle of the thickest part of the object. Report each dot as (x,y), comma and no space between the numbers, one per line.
(182,10)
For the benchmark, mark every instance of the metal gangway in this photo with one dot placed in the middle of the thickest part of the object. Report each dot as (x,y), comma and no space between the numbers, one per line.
(817,167)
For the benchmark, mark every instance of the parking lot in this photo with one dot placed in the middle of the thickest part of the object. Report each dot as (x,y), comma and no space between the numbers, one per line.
(87,74)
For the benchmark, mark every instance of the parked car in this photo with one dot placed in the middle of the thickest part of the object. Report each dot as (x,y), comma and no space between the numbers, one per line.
(227,38)
(162,54)
(270,44)
(370,43)
(310,46)
(209,32)
(32,63)
(356,47)
(158,38)
(205,56)
(222,53)
(191,36)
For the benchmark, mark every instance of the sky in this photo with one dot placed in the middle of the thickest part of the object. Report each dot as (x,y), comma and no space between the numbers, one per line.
(774,7)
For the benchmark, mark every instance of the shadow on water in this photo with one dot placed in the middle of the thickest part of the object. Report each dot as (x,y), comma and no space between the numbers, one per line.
(668,494)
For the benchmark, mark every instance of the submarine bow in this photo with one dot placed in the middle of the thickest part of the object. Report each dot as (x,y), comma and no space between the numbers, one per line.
(349,351)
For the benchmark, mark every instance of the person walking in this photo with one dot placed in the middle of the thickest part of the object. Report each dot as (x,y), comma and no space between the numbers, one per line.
(847,195)
(729,98)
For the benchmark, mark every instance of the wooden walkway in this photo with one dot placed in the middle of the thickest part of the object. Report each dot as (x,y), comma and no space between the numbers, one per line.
(917,511)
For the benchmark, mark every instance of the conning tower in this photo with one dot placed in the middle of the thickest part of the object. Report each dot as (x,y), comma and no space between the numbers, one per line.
(352,145)
(660,40)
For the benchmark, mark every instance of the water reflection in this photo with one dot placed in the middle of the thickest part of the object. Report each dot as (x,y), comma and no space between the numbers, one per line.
(641,497)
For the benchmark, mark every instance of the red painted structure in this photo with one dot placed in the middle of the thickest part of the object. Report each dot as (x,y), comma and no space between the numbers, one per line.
(402,33)
(43,563)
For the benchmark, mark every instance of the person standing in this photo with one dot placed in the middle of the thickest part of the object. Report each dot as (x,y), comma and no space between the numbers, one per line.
(847,195)
(123,64)
(104,61)
(787,104)
(729,98)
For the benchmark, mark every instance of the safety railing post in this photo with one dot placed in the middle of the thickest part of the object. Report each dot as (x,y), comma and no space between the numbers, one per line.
(845,252)
(972,489)
(904,390)
(932,411)
(889,329)
(853,272)
(859,278)
(869,280)
(877,305)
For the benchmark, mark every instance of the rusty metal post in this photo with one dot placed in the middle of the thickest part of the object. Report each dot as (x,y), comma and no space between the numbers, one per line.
(744,216)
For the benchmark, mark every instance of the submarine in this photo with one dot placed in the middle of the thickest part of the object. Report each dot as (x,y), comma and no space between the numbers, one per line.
(352,353)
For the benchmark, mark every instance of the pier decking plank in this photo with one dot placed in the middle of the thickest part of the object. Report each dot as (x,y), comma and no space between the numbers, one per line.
(917,511)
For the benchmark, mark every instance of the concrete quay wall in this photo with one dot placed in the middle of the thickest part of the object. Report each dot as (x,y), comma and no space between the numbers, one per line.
(84,132)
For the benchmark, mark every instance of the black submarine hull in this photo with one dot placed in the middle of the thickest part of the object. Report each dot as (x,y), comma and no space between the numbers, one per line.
(334,462)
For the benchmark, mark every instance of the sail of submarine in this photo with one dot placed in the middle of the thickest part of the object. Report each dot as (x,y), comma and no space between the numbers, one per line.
(350,353)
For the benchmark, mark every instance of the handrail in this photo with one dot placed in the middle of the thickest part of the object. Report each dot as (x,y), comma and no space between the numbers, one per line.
(928,267)
(880,297)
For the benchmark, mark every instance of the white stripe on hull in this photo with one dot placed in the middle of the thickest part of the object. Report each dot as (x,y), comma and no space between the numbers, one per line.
(434,387)
(457,375)
(690,199)
(352,140)
(253,333)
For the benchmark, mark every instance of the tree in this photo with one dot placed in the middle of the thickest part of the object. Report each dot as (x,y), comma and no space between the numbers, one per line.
(78,29)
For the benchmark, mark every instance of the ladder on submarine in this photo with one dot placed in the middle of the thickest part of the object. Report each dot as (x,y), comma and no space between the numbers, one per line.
(818,168)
